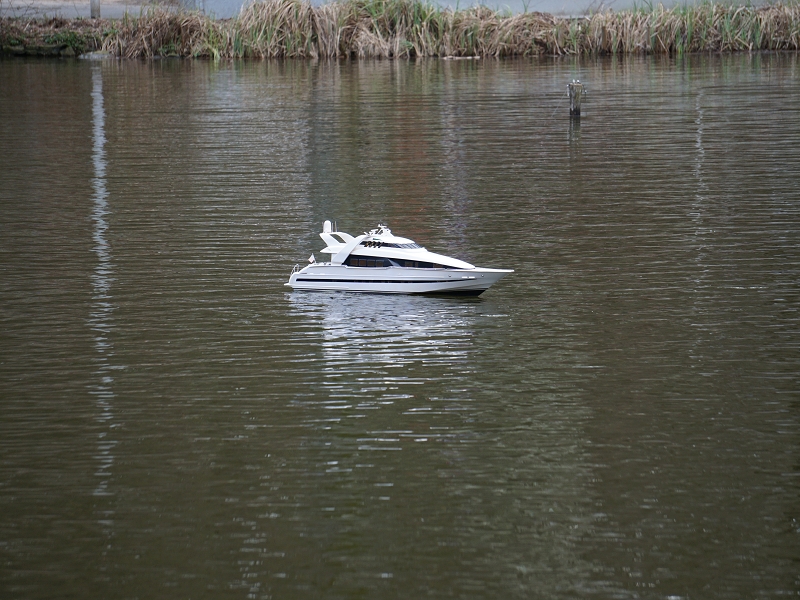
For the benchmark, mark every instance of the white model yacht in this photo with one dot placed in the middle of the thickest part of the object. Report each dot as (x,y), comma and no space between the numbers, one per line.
(380,262)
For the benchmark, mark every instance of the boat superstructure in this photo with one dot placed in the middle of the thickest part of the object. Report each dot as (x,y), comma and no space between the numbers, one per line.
(381,262)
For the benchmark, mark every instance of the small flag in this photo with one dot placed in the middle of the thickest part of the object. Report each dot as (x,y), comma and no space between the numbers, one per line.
(311,259)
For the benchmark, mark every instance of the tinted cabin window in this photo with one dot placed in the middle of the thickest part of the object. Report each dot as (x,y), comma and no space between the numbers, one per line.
(419,264)
(367,261)
(371,261)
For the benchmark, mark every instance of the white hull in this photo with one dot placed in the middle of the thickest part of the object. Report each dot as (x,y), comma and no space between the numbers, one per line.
(395,280)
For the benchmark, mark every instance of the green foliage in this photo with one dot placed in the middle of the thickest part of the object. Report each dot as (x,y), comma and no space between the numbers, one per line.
(75,40)
(168,49)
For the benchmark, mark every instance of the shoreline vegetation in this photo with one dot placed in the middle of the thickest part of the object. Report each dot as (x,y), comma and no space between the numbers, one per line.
(408,29)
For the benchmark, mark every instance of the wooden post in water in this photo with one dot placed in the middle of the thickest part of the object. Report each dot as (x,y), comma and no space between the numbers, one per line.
(94,8)
(575,96)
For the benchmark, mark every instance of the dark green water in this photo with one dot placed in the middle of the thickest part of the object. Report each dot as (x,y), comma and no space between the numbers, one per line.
(620,418)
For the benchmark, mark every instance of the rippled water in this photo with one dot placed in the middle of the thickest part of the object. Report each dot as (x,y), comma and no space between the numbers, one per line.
(617,419)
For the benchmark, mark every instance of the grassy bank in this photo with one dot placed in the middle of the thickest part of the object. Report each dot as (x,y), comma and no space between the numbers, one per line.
(412,28)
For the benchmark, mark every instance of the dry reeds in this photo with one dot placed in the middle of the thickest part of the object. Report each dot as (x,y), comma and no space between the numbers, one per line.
(414,28)
(700,28)
(162,33)
(276,28)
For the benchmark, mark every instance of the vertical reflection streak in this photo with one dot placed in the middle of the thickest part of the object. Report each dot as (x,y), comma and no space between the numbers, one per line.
(701,153)
(100,319)
(699,212)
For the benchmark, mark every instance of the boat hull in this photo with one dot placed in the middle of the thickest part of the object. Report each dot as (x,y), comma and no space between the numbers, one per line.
(394,280)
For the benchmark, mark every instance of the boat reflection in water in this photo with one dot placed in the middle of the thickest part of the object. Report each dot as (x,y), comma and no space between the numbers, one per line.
(393,409)
(373,347)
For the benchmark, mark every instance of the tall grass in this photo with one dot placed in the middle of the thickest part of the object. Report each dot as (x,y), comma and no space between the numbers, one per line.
(697,28)
(415,28)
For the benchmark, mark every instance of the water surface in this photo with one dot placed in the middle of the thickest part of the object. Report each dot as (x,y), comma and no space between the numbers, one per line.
(617,419)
